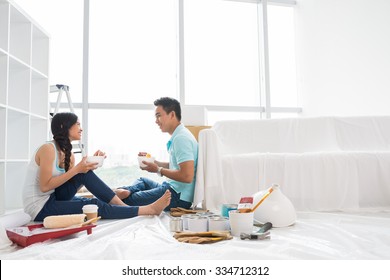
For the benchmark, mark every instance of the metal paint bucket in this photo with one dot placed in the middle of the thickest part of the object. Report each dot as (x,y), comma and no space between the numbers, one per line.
(185,218)
(198,224)
(176,224)
(226,208)
(219,223)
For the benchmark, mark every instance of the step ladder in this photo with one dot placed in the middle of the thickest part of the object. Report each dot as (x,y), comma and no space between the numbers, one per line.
(78,147)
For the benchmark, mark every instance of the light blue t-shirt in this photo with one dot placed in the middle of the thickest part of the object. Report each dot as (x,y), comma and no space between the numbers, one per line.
(182,147)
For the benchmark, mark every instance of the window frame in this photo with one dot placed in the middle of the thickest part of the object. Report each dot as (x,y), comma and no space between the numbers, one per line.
(264,109)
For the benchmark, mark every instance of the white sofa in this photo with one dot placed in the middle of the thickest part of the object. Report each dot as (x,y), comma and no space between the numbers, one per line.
(321,164)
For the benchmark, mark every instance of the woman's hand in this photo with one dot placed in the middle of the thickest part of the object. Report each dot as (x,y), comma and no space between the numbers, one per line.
(83,166)
(100,153)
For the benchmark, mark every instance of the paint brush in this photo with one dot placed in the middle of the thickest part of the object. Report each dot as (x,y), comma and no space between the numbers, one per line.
(247,210)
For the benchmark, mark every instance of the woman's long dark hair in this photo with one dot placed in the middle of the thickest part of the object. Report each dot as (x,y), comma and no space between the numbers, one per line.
(60,125)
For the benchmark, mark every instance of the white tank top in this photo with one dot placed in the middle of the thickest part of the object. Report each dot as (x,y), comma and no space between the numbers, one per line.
(33,198)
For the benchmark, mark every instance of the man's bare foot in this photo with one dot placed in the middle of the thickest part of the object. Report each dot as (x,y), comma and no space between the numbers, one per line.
(156,207)
(122,193)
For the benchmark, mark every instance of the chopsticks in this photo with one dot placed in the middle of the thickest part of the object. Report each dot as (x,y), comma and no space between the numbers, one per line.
(90,221)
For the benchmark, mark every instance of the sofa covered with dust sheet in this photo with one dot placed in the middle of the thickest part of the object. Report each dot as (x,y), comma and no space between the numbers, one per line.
(321,163)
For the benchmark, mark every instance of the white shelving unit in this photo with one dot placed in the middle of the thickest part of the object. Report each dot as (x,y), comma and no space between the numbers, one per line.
(24,104)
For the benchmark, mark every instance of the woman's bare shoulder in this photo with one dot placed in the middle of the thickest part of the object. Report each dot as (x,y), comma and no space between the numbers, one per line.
(45,153)
(47,148)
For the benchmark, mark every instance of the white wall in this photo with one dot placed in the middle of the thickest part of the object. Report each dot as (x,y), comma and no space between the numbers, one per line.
(343,57)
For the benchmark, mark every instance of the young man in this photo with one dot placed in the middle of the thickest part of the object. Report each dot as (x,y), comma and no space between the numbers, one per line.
(180,171)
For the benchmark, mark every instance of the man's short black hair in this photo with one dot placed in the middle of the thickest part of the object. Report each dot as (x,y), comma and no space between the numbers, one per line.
(169,104)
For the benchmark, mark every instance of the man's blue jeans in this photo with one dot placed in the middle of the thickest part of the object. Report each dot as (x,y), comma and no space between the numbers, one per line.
(145,191)
(63,201)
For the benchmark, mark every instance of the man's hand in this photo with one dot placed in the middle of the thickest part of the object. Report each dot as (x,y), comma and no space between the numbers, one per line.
(150,166)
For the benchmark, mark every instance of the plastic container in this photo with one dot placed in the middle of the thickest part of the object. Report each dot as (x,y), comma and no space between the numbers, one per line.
(98,159)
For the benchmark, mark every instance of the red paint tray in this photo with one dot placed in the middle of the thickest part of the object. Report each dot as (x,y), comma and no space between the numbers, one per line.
(27,235)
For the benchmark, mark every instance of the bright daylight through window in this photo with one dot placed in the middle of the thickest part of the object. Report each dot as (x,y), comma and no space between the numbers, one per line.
(142,50)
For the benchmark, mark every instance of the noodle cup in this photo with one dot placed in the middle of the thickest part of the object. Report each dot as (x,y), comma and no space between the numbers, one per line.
(96,159)
(143,158)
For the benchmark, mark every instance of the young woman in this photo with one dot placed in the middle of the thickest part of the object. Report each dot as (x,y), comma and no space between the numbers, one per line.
(53,179)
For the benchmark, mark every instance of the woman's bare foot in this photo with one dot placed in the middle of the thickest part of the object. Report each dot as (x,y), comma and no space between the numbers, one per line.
(122,193)
(156,207)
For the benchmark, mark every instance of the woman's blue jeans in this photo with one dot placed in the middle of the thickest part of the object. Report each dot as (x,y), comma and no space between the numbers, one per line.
(145,191)
(63,200)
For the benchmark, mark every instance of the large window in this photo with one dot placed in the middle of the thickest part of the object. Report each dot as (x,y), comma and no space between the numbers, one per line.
(283,80)
(221,53)
(122,134)
(132,51)
(202,52)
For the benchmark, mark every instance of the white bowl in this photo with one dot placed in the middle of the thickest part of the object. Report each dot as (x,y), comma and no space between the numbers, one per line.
(144,158)
(98,159)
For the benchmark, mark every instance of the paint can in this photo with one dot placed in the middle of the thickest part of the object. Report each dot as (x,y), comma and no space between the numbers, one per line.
(197,224)
(226,208)
(176,224)
(219,223)
(185,218)
(208,214)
